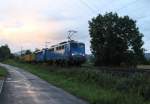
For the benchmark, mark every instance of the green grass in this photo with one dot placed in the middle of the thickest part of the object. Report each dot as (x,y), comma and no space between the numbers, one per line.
(95,86)
(3,73)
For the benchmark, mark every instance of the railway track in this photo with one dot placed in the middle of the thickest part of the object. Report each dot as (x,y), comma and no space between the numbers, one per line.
(120,70)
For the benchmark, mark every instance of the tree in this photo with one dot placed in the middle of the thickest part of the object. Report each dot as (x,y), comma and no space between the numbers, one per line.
(115,40)
(4,52)
(28,52)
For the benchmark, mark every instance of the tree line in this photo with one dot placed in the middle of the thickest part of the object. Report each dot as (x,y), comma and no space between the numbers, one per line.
(5,52)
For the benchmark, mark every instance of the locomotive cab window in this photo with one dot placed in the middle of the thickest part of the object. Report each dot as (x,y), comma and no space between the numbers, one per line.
(81,45)
(74,45)
(52,49)
(62,47)
(57,48)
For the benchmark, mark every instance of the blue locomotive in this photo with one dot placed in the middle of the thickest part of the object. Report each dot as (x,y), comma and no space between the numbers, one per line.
(68,52)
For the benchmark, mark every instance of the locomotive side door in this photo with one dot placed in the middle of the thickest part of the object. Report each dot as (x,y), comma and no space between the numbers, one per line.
(67,51)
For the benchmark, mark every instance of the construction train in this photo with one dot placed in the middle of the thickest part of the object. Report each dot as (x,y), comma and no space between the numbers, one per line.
(68,52)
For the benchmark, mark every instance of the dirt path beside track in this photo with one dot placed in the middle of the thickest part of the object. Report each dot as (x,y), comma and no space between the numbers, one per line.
(22,87)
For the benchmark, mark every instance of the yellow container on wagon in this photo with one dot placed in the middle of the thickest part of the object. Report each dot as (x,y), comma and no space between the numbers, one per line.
(32,57)
(29,58)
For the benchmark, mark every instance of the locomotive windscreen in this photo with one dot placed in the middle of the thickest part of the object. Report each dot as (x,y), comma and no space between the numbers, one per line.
(77,45)
(74,45)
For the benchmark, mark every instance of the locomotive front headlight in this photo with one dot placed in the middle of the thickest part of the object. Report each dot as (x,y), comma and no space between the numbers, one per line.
(78,54)
(83,54)
(73,54)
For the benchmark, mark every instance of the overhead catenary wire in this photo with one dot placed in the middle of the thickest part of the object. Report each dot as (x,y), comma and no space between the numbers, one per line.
(129,4)
(93,10)
(125,6)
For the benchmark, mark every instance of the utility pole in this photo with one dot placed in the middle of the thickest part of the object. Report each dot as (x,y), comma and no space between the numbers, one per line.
(45,50)
(46,44)
(70,34)
(21,50)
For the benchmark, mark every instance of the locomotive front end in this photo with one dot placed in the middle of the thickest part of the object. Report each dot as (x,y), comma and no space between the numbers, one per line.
(77,50)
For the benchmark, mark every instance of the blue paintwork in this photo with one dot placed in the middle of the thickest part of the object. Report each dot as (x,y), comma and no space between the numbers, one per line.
(39,56)
(78,51)
(73,51)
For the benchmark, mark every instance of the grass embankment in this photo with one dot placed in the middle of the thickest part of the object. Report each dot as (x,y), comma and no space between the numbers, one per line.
(3,73)
(95,86)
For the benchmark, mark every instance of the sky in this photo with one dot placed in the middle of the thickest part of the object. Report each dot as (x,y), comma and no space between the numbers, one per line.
(31,23)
